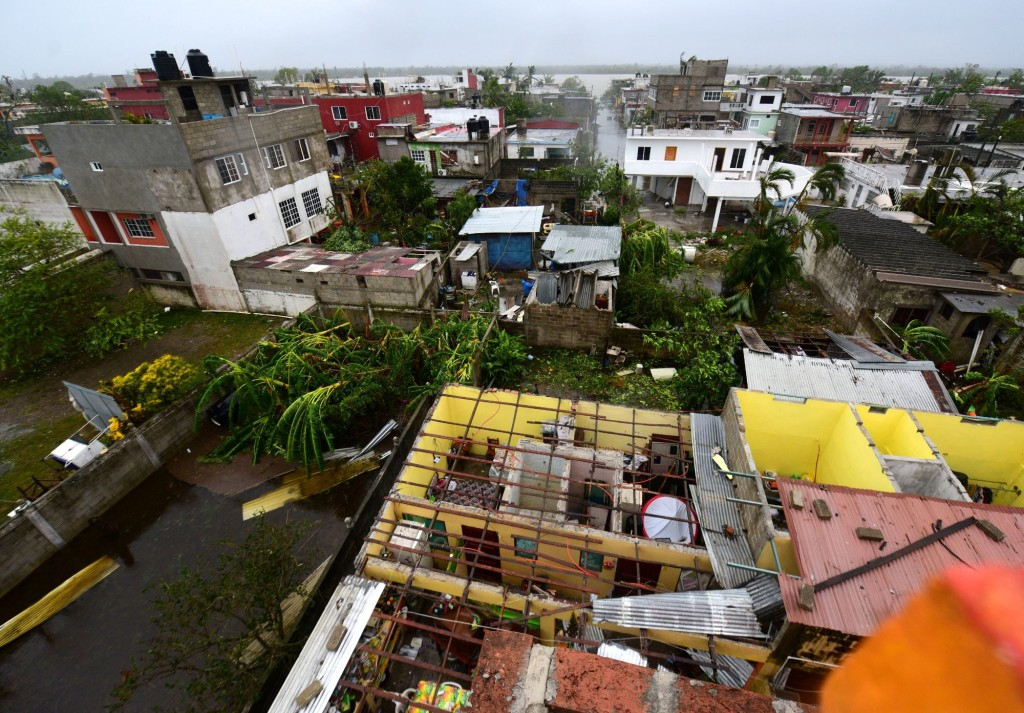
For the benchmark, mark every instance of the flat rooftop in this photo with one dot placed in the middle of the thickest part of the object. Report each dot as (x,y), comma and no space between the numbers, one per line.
(381,262)
(560,137)
(734,134)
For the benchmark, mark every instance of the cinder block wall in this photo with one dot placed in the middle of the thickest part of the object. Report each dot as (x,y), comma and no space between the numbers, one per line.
(567,327)
(91,491)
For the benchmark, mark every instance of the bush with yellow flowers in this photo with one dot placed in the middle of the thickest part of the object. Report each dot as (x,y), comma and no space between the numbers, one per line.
(152,386)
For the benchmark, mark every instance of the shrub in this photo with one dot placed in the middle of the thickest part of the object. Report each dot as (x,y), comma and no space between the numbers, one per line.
(347,239)
(152,386)
(138,320)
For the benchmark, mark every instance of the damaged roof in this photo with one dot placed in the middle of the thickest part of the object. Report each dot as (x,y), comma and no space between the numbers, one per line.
(381,261)
(575,244)
(829,546)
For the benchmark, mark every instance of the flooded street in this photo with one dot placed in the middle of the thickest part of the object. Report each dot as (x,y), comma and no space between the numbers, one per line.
(72,662)
(611,138)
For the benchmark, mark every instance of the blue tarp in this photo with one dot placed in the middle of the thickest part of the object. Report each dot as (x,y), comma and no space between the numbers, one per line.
(521,192)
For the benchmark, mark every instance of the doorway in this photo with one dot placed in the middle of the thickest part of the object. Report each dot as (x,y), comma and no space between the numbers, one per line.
(629,572)
(719,158)
(485,554)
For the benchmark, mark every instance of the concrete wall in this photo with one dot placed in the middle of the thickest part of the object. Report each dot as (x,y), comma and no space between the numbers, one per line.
(22,167)
(675,97)
(90,491)
(567,327)
(41,200)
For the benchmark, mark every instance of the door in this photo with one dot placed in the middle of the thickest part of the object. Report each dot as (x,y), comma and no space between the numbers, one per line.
(484,553)
(684,185)
(670,153)
(719,158)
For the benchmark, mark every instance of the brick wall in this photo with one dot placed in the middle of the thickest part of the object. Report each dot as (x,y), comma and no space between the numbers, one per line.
(90,491)
(567,327)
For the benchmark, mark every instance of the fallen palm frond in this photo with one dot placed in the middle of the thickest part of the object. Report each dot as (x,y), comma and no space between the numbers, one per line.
(68,591)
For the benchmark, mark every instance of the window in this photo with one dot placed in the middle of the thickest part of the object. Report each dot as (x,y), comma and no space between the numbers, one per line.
(525,547)
(228,170)
(159,275)
(311,202)
(290,212)
(418,155)
(738,156)
(301,150)
(810,127)
(138,227)
(946,311)
(373,113)
(339,113)
(95,166)
(905,315)
(273,157)
(643,153)
(766,99)
(670,153)
(594,561)
(754,123)
(712,96)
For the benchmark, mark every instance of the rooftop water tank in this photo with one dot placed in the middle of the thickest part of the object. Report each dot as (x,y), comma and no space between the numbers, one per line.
(472,127)
(483,127)
(378,88)
(165,65)
(199,64)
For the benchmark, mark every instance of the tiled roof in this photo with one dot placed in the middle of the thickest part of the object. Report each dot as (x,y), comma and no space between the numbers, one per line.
(892,247)
(830,546)
(380,261)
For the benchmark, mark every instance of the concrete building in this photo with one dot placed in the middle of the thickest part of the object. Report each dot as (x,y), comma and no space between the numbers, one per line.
(884,272)
(760,110)
(812,132)
(542,143)
(294,278)
(690,99)
(843,102)
(466,150)
(143,99)
(177,201)
(701,167)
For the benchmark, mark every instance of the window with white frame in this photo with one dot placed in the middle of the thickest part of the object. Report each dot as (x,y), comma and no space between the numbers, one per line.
(738,156)
(643,153)
(754,123)
(418,155)
(95,165)
(373,113)
(289,212)
(138,227)
(227,167)
(854,103)
(311,202)
(339,113)
(273,157)
(712,96)
(301,150)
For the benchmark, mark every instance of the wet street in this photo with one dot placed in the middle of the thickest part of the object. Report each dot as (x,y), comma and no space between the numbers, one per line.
(611,138)
(73,661)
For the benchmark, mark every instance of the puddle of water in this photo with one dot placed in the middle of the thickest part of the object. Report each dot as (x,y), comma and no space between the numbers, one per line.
(73,661)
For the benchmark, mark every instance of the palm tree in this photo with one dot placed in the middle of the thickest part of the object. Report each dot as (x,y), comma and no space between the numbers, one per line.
(989,388)
(509,72)
(548,79)
(923,342)
(531,74)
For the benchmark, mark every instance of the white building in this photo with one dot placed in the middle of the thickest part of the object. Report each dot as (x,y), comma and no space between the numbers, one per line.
(700,167)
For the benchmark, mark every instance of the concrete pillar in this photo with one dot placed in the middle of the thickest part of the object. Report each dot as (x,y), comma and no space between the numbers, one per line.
(718,212)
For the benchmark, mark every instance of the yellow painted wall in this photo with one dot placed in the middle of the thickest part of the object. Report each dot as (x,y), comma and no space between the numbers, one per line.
(895,433)
(815,440)
(989,454)
(787,557)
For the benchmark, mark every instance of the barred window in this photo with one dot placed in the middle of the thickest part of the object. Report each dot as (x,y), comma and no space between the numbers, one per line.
(228,170)
(273,156)
(311,202)
(290,212)
(138,227)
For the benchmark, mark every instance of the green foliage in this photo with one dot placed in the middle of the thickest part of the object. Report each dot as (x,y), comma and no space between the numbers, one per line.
(219,628)
(287,75)
(1011,131)
(645,300)
(923,342)
(315,381)
(460,209)
(573,84)
(649,247)
(581,376)
(137,320)
(347,239)
(986,393)
(504,359)
(152,386)
(701,346)
(48,299)
(401,194)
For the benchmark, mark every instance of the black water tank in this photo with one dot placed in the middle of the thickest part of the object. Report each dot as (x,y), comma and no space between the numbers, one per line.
(199,64)
(484,127)
(473,127)
(165,65)
(378,88)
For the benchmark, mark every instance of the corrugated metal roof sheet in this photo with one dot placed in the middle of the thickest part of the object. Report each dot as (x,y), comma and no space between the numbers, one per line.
(723,612)
(981,304)
(732,671)
(863,350)
(825,548)
(766,595)
(714,512)
(351,605)
(547,288)
(752,338)
(575,244)
(618,652)
(509,220)
(841,380)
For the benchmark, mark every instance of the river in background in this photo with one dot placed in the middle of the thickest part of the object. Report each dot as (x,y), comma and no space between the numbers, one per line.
(74,660)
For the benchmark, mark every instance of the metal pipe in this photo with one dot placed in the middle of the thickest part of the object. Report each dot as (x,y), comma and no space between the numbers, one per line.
(741,501)
(737,565)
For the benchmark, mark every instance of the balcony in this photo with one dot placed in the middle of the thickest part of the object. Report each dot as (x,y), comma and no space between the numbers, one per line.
(732,106)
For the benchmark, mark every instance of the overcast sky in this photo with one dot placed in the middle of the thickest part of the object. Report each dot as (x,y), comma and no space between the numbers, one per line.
(106,37)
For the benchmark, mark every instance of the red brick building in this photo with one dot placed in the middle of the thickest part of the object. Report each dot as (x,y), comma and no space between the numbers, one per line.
(143,92)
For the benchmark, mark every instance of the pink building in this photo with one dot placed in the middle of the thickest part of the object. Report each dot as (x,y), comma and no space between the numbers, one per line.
(842,103)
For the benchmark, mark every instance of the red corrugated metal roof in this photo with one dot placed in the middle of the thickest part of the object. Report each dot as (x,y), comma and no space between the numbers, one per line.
(825,548)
